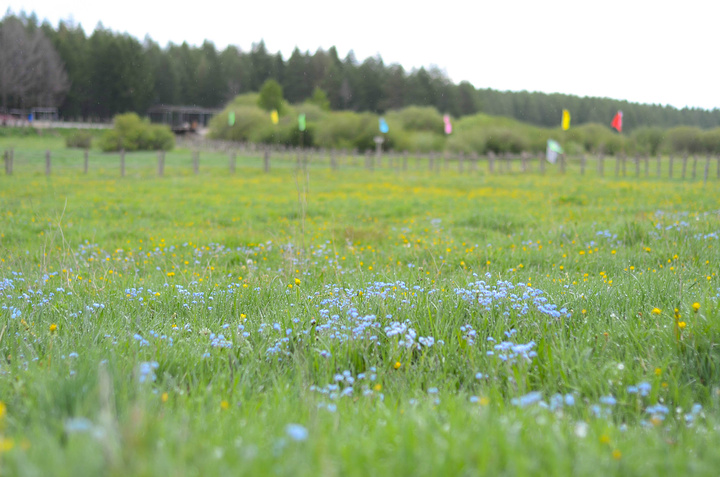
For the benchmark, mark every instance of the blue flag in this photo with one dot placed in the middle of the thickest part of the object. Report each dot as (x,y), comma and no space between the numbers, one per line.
(383,126)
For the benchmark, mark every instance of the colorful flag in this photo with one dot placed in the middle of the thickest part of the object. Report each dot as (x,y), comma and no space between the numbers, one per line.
(448,124)
(383,126)
(566,120)
(231,118)
(274,117)
(301,121)
(617,121)
(552,151)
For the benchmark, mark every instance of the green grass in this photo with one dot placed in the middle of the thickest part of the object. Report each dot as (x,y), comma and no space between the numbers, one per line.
(114,268)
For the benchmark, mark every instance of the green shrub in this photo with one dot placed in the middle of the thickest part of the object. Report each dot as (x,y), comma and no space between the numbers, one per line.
(247,120)
(684,139)
(132,133)
(271,96)
(501,140)
(417,118)
(467,141)
(81,139)
(596,138)
(161,138)
(711,141)
(348,130)
(647,140)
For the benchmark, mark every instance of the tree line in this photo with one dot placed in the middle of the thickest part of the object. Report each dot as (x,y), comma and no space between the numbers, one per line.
(106,73)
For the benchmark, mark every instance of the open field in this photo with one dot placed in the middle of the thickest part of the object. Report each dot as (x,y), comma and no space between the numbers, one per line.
(354,323)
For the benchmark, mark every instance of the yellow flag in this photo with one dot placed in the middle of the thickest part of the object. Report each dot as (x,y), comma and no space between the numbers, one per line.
(566,120)
(274,117)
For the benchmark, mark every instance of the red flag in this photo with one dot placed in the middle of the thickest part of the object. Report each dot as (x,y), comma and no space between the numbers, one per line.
(617,121)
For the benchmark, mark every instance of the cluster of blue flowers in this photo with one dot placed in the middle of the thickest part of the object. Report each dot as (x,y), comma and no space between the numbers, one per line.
(557,401)
(146,371)
(346,385)
(505,297)
(510,352)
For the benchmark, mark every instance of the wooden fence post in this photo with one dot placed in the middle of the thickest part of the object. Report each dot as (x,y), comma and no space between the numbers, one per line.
(161,162)
(333,160)
(646,158)
(86,161)
(694,166)
(624,164)
(473,161)
(491,162)
(601,164)
(122,162)
(684,165)
(6,162)
(617,165)
(47,162)
(707,169)
(637,166)
(266,160)
(12,160)
(232,162)
(670,173)
(542,163)
(659,165)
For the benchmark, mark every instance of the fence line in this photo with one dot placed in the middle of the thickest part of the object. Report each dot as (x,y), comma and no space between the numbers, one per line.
(336,159)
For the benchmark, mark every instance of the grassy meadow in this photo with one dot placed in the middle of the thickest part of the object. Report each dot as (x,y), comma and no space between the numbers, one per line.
(318,322)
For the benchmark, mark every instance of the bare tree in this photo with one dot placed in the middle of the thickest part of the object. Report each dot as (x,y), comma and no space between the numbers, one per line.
(49,80)
(31,71)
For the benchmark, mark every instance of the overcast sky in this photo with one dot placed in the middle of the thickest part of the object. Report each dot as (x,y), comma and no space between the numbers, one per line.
(645,51)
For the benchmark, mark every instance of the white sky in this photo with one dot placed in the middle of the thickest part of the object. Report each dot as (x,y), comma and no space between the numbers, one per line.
(645,51)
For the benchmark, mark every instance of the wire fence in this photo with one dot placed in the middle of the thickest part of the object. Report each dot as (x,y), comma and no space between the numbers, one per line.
(219,157)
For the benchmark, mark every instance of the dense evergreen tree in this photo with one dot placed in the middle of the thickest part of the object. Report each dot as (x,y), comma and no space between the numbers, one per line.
(107,73)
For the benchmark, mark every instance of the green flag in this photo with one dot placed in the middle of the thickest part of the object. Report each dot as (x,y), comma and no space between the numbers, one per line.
(231,118)
(553,149)
(301,121)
